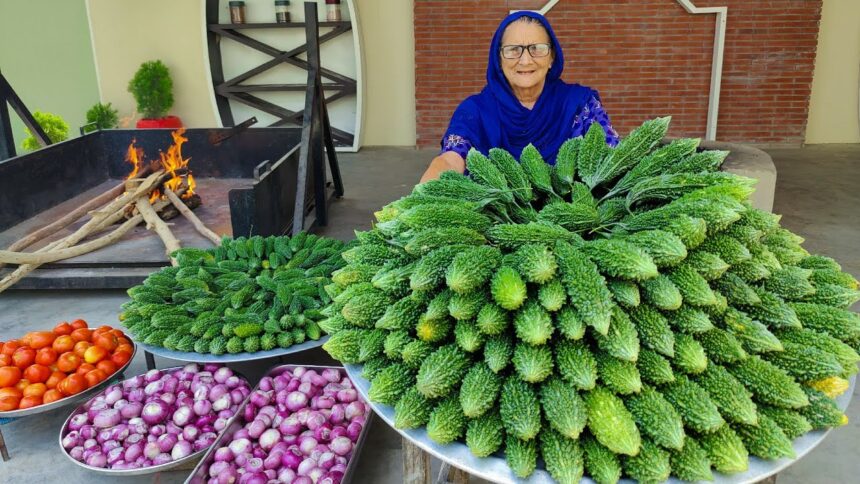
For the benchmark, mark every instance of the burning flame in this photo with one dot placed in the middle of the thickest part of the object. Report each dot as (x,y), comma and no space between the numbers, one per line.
(171,162)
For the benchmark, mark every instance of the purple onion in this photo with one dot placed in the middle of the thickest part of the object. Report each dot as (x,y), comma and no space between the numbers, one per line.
(136,395)
(220,424)
(315,420)
(222,403)
(307,445)
(293,385)
(190,433)
(217,467)
(162,458)
(151,449)
(182,416)
(286,475)
(131,410)
(78,421)
(157,430)
(174,429)
(353,430)
(72,439)
(97,460)
(154,412)
(233,382)
(354,409)
(347,395)
(205,441)
(205,420)
(110,445)
(269,438)
(341,445)
(337,431)
(134,439)
(133,383)
(152,375)
(113,394)
(222,374)
(132,452)
(253,478)
(292,458)
(90,444)
(168,398)
(303,480)
(331,477)
(138,426)
(181,449)
(250,412)
(256,428)
(240,446)
(325,401)
(115,455)
(77,453)
(338,414)
(166,442)
(237,395)
(265,384)
(202,407)
(217,391)
(323,432)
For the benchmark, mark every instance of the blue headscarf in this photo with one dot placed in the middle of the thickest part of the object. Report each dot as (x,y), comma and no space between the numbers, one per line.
(494,118)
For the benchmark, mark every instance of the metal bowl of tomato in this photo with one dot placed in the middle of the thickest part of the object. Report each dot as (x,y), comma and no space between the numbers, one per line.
(51,369)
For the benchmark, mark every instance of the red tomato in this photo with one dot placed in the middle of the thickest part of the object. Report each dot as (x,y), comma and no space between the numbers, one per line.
(37,373)
(107,366)
(81,348)
(68,362)
(35,389)
(63,328)
(55,378)
(118,333)
(9,376)
(82,334)
(52,396)
(32,401)
(9,347)
(120,358)
(41,339)
(22,384)
(5,360)
(85,368)
(10,392)
(79,323)
(24,357)
(127,347)
(63,343)
(107,340)
(72,384)
(9,403)
(46,356)
(95,377)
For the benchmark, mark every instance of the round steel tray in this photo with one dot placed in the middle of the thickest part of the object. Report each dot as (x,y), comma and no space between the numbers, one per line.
(71,398)
(495,469)
(188,460)
(230,358)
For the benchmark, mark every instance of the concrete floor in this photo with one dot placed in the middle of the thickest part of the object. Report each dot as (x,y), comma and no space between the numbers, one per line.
(816,191)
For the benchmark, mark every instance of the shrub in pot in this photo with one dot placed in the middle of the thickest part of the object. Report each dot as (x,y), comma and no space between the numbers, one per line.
(101,116)
(152,89)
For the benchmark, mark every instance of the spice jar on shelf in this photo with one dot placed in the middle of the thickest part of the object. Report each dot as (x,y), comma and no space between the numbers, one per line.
(237,12)
(282,15)
(333,10)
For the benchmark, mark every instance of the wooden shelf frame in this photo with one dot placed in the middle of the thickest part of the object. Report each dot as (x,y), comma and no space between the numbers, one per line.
(339,85)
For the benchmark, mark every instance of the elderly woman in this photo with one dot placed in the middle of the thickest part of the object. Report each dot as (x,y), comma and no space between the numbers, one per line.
(525,101)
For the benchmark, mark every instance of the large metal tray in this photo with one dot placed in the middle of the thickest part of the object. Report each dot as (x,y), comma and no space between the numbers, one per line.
(199,475)
(185,461)
(230,358)
(495,469)
(84,395)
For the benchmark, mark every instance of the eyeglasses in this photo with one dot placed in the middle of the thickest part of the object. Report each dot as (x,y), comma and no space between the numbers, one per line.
(516,51)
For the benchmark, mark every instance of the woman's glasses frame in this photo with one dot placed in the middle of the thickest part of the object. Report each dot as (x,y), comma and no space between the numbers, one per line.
(516,51)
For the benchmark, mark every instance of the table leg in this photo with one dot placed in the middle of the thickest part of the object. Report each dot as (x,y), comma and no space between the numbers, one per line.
(769,480)
(457,476)
(3,452)
(416,464)
(150,360)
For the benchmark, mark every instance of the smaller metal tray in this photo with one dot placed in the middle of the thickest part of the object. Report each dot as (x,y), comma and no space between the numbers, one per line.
(185,461)
(84,395)
(230,358)
(199,475)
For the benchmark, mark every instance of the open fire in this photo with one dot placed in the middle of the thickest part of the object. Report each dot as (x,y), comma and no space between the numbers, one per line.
(171,162)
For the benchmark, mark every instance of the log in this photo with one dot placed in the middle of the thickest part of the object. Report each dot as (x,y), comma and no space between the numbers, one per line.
(97,225)
(70,217)
(416,464)
(40,258)
(184,210)
(154,222)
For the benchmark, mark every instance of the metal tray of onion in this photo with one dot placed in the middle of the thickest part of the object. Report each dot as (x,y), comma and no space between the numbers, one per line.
(78,397)
(185,456)
(201,474)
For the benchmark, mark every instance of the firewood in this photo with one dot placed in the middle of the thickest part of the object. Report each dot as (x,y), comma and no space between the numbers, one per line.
(98,222)
(70,217)
(184,210)
(154,222)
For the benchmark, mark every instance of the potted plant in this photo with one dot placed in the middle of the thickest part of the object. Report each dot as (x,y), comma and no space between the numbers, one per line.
(152,88)
(53,126)
(101,116)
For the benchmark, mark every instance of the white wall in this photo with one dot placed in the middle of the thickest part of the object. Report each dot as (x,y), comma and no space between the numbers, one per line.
(833,105)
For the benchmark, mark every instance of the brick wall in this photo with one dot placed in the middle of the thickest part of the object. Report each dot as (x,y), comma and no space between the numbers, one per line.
(647,58)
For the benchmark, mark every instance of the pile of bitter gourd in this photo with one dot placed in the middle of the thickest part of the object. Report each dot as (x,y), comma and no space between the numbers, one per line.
(625,312)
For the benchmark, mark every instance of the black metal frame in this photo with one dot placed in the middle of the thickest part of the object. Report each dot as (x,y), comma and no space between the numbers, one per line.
(243,93)
(7,141)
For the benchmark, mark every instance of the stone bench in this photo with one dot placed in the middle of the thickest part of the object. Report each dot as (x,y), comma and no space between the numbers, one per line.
(751,162)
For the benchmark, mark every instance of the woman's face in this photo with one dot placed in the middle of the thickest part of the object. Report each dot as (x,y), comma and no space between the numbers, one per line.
(526,72)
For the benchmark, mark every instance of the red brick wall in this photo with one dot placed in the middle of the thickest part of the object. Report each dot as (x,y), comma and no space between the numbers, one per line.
(647,58)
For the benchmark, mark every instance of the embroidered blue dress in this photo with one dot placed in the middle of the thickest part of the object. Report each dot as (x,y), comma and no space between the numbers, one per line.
(495,117)
(592,112)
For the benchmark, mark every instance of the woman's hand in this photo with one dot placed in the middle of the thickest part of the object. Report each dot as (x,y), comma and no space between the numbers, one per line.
(448,160)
